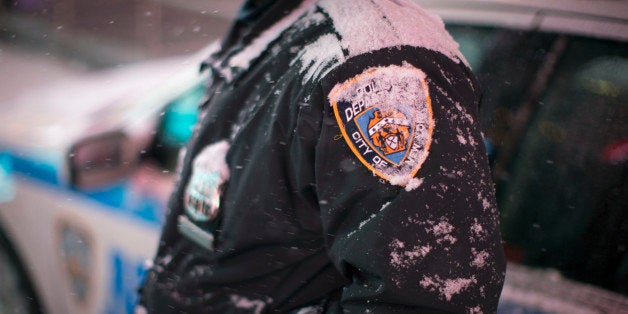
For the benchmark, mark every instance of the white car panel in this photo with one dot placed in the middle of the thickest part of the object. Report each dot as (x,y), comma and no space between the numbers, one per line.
(112,235)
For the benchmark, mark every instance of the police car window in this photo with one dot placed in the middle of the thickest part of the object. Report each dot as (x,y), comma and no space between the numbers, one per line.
(564,194)
(176,126)
(474,42)
(564,201)
(180,116)
(506,63)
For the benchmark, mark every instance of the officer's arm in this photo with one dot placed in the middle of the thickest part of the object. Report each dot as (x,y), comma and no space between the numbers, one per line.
(412,224)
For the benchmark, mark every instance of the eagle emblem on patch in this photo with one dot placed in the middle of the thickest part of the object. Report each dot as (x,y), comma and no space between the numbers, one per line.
(385,116)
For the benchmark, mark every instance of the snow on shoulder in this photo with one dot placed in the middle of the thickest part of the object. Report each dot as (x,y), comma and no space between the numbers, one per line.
(368,25)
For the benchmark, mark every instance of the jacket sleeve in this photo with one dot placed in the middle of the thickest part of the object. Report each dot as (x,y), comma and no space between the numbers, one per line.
(418,239)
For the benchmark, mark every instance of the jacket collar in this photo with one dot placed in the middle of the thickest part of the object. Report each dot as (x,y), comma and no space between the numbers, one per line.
(257,26)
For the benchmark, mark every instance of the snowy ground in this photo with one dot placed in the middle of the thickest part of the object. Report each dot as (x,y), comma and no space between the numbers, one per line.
(538,291)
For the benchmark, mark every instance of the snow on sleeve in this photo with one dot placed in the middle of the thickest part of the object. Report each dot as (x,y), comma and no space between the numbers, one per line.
(477,232)
(319,57)
(447,288)
(480,259)
(375,24)
(402,257)
(442,230)
(413,184)
(243,303)
(364,222)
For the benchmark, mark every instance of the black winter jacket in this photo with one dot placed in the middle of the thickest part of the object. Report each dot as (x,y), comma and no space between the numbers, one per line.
(337,166)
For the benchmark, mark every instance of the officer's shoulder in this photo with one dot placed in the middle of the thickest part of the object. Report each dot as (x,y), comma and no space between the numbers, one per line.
(364,26)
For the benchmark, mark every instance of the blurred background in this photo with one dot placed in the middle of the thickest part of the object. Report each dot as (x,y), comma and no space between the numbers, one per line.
(67,37)
(71,71)
(97,98)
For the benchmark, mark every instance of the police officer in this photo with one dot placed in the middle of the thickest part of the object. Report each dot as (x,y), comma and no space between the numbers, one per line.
(337,166)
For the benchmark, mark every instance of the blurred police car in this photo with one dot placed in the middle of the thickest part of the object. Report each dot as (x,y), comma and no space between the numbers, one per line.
(555,119)
(85,168)
(74,239)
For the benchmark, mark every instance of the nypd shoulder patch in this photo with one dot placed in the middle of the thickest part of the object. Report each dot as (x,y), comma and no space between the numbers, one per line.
(385,116)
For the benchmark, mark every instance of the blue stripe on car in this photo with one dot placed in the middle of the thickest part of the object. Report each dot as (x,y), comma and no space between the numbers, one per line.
(117,197)
(7,188)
